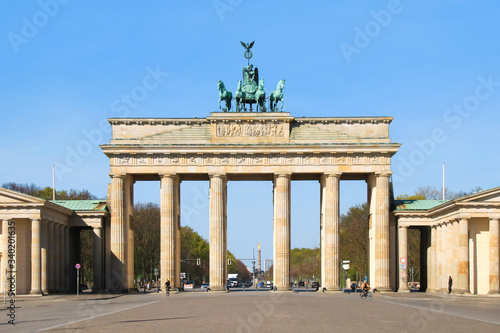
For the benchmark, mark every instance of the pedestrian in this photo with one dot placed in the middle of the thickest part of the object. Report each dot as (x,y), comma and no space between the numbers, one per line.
(450,283)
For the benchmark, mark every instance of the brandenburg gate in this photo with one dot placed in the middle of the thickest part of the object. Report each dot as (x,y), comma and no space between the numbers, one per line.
(272,146)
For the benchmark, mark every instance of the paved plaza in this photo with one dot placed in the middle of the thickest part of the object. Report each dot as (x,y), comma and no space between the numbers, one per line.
(250,311)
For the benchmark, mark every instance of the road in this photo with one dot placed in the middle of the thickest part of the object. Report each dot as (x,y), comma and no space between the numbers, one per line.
(262,311)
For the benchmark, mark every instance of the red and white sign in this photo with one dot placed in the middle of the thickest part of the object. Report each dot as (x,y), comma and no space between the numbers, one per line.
(77,266)
(402,260)
(402,273)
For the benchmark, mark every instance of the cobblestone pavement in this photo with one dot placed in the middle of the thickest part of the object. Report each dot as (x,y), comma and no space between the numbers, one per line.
(250,311)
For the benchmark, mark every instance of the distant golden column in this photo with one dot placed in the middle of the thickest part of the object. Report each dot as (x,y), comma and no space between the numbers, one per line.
(57,262)
(433,266)
(62,259)
(168,226)
(218,231)
(35,257)
(97,256)
(5,249)
(330,232)
(281,262)
(44,256)
(50,256)
(494,257)
(403,252)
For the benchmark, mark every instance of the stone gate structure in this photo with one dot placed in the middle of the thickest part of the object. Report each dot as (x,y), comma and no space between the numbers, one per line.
(271,146)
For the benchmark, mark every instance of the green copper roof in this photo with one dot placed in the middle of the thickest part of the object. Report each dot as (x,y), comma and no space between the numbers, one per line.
(83,205)
(417,204)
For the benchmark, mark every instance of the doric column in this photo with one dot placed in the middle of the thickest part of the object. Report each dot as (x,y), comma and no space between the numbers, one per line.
(67,260)
(168,226)
(433,266)
(449,252)
(494,257)
(218,227)
(44,257)
(97,256)
(281,241)
(455,260)
(439,266)
(62,257)
(5,251)
(118,278)
(35,257)
(403,252)
(50,256)
(330,232)
(57,261)
(382,278)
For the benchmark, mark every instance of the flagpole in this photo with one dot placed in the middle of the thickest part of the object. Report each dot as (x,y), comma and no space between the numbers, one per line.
(53,184)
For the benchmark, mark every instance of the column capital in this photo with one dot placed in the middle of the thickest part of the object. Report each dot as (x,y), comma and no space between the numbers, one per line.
(403,226)
(168,175)
(332,174)
(383,174)
(117,175)
(283,174)
(217,175)
(494,218)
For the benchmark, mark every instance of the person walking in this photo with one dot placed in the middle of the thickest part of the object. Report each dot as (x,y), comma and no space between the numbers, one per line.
(167,287)
(450,283)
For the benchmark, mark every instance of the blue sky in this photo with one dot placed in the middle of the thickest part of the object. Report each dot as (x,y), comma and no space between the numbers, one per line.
(432,65)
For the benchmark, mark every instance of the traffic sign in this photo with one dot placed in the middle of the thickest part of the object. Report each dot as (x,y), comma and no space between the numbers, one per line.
(77,266)
(402,273)
(402,260)
(402,266)
(345,266)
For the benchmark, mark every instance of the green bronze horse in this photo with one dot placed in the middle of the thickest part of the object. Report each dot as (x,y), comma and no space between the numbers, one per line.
(260,96)
(224,95)
(276,96)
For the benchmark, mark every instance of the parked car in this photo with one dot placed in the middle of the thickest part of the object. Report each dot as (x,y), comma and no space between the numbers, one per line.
(315,285)
(301,284)
(354,286)
(188,285)
(205,286)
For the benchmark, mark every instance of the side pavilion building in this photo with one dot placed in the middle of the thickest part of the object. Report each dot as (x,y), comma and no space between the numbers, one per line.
(42,237)
(459,239)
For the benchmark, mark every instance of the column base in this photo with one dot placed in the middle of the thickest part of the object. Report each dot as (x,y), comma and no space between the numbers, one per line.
(219,289)
(401,289)
(493,292)
(36,292)
(332,290)
(459,291)
(384,290)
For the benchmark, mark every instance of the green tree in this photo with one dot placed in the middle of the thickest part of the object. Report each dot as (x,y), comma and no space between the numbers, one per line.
(354,226)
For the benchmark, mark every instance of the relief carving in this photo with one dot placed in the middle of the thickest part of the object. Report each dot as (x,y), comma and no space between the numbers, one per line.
(142,161)
(252,130)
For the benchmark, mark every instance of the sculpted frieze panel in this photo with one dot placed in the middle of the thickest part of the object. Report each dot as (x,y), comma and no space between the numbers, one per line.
(142,160)
(252,130)
(158,160)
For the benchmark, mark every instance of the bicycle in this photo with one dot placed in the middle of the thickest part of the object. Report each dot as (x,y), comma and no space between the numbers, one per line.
(368,294)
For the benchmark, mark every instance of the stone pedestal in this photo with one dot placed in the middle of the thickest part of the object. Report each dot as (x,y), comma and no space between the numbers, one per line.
(330,232)
(281,241)
(218,232)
